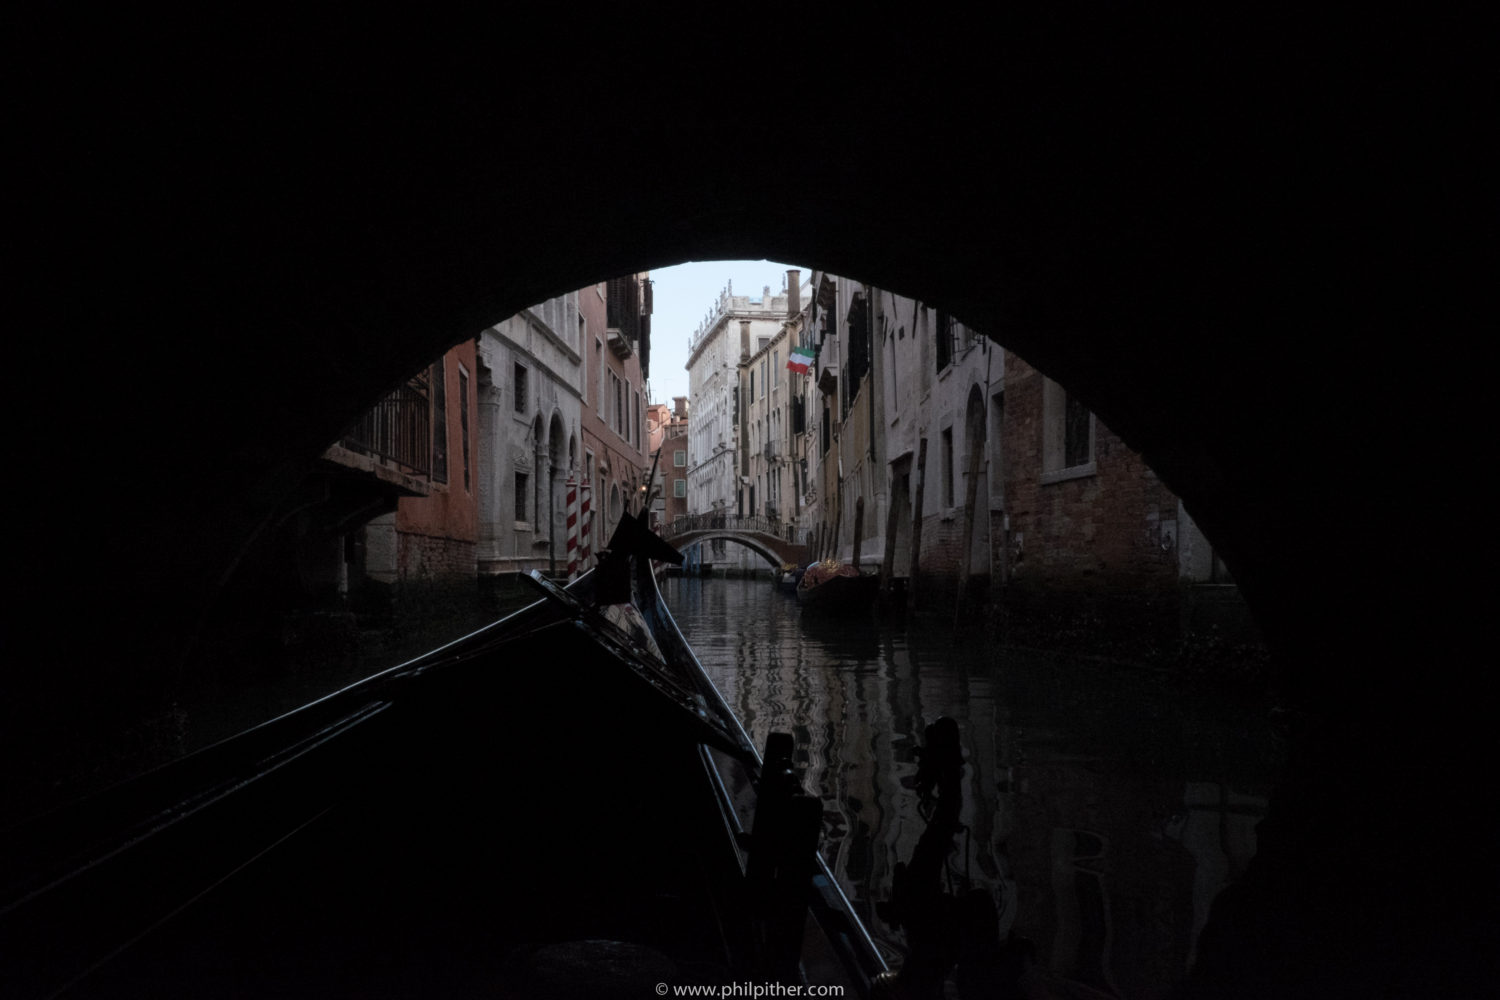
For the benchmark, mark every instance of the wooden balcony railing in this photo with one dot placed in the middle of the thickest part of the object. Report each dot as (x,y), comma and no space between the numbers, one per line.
(397,429)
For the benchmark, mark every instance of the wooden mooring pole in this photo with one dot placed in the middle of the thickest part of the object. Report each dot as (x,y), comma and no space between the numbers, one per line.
(838,525)
(971,497)
(888,557)
(859,528)
(916,525)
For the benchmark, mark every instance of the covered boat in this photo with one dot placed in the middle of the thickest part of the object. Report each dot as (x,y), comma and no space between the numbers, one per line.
(834,588)
(560,804)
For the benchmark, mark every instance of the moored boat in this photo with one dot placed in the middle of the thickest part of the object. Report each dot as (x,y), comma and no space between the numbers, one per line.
(559,793)
(837,589)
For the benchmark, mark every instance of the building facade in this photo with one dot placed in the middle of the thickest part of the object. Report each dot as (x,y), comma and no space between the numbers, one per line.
(433,538)
(730,333)
(767,389)
(668,431)
(1094,536)
(616,326)
(896,435)
(530,406)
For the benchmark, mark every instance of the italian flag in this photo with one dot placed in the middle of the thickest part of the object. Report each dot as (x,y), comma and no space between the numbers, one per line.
(800,360)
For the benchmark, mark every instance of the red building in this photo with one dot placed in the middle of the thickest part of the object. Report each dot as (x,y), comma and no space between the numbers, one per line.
(668,430)
(432,539)
(616,318)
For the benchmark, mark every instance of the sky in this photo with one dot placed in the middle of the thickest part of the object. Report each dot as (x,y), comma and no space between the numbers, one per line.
(682,295)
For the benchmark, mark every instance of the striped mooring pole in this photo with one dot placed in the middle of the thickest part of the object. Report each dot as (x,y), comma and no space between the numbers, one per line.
(583,518)
(572,509)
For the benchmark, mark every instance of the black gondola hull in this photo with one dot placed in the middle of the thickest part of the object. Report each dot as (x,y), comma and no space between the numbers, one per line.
(482,821)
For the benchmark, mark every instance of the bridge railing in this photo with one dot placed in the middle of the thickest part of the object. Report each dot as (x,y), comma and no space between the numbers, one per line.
(773,526)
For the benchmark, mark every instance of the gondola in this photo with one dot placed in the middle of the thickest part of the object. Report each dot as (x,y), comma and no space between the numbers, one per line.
(560,804)
(838,595)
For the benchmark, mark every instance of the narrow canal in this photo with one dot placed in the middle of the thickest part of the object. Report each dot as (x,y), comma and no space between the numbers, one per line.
(1104,806)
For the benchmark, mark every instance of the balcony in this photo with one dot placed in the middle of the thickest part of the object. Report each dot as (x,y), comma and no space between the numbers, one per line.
(397,430)
(387,455)
(623,310)
(619,344)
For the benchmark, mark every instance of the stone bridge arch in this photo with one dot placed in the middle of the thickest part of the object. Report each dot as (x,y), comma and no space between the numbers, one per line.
(774,551)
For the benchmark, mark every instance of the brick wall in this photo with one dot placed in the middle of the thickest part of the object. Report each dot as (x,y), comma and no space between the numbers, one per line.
(1111,530)
(431,558)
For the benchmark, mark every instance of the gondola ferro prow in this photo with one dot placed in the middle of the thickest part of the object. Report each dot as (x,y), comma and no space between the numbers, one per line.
(632,538)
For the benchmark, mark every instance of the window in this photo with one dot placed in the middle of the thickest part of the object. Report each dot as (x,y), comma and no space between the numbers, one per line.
(679,488)
(439,421)
(859,340)
(521,482)
(599,387)
(948,467)
(1078,439)
(1067,435)
(619,387)
(943,336)
(679,459)
(520,380)
(463,419)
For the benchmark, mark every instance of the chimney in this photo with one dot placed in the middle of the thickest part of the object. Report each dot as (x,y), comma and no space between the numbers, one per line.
(793,291)
(679,405)
(744,340)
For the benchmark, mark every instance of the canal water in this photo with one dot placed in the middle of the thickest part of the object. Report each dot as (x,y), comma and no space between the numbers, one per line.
(1105,806)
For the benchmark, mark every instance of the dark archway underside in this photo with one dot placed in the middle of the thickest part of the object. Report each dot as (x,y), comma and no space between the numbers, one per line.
(232,259)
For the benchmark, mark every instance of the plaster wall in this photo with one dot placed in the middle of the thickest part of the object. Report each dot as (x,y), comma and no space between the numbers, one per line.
(531,432)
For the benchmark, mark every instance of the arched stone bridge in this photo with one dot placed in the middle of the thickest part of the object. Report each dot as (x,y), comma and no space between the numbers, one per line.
(768,537)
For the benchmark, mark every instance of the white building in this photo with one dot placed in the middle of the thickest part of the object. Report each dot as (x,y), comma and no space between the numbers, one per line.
(942,382)
(890,374)
(530,399)
(733,330)
(773,470)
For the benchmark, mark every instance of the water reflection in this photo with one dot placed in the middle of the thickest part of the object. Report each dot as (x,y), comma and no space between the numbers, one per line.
(1103,810)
